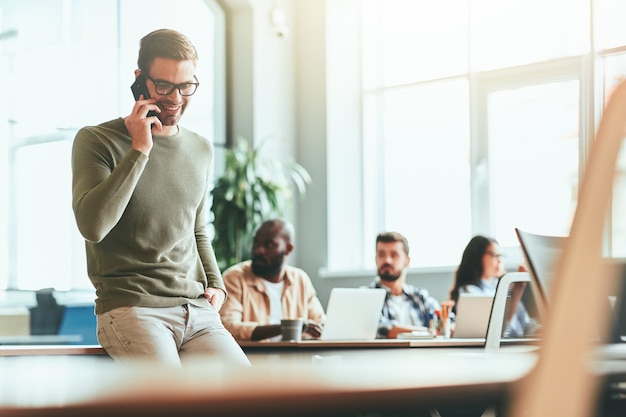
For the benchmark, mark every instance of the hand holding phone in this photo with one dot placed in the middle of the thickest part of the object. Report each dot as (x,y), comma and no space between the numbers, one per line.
(139,88)
(136,124)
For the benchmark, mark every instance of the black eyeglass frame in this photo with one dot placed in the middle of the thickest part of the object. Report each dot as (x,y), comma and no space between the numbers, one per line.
(174,86)
(495,254)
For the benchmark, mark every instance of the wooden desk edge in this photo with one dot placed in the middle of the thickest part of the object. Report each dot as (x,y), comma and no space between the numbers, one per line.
(26,350)
(377,343)
(381,343)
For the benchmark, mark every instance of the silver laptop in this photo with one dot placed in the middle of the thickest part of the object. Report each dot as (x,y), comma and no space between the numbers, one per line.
(353,313)
(472,315)
(542,253)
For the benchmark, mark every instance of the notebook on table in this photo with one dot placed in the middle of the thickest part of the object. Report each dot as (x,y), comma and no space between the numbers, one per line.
(472,315)
(353,313)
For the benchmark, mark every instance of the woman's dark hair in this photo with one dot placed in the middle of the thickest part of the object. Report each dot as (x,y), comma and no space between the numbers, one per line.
(470,270)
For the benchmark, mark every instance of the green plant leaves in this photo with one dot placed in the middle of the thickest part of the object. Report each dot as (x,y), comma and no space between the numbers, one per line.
(253,188)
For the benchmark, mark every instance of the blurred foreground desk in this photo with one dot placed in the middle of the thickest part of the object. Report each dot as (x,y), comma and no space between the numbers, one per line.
(383,382)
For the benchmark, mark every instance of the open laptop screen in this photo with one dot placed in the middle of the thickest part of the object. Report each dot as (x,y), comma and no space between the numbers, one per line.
(353,313)
(472,315)
(541,254)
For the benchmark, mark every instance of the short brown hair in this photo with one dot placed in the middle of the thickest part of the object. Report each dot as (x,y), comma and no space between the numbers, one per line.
(165,43)
(390,237)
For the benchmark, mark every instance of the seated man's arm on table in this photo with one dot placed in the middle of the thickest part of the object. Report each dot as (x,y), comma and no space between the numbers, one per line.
(245,330)
(400,328)
(313,329)
(390,329)
(265,331)
(385,326)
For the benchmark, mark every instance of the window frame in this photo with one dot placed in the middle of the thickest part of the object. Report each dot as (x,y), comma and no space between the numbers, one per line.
(586,68)
(78,281)
(482,85)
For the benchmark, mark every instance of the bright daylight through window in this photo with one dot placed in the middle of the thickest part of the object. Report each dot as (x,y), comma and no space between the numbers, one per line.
(477,118)
(461,117)
(40,246)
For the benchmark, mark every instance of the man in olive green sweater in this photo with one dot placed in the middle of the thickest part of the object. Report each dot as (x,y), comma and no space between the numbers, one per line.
(140,198)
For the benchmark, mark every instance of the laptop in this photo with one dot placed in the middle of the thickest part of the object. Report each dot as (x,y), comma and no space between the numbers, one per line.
(473,312)
(542,253)
(353,313)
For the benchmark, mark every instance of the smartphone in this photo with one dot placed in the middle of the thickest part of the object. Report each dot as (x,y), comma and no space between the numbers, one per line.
(139,88)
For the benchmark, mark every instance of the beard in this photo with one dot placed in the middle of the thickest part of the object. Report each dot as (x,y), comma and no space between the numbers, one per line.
(169,118)
(386,274)
(265,268)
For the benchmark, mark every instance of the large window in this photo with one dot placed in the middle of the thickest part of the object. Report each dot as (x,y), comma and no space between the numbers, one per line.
(476,117)
(66,64)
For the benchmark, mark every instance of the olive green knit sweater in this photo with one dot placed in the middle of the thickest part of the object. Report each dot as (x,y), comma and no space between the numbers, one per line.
(144,217)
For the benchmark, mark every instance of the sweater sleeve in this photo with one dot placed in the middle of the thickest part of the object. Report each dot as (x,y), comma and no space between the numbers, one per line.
(100,191)
(203,242)
(207,256)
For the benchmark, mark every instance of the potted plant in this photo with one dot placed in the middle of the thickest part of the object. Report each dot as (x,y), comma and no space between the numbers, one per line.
(253,188)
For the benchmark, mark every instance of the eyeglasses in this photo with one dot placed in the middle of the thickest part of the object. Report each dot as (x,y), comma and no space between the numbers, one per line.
(164,88)
(494,255)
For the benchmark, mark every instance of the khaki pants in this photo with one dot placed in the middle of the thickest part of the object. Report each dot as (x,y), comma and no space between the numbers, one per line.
(167,334)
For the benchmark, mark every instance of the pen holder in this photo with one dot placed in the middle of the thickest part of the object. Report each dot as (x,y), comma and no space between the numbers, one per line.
(446,310)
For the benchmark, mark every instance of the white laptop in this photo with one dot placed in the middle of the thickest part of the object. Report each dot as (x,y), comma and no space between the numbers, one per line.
(353,313)
(472,315)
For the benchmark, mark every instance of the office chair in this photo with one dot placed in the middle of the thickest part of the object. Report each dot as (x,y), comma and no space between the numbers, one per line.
(46,317)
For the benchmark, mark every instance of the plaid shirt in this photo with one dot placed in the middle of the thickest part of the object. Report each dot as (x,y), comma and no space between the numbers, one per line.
(421,306)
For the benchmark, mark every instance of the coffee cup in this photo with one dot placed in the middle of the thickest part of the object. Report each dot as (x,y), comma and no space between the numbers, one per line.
(291,329)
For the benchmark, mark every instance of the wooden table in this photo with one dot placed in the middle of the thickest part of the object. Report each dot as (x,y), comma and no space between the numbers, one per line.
(379,381)
(305,347)
(365,344)
(54,350)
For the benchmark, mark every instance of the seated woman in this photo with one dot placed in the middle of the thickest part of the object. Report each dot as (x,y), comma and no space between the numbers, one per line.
(480,269)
